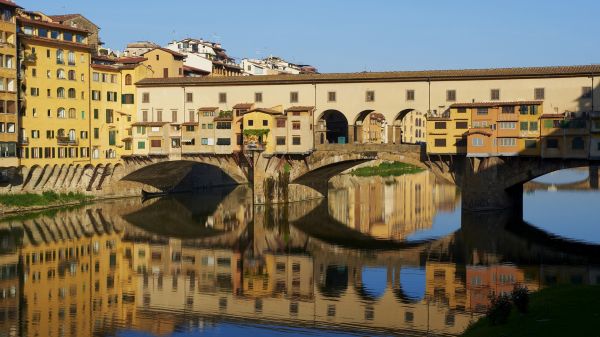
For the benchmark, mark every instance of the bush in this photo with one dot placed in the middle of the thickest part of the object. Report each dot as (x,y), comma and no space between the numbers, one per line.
(499,309)
(520,298)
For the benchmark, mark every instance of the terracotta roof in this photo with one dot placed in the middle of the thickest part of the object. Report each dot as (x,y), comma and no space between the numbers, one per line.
(63,17)
(50,24)
(105,67)
(195,70)
(243,106)
(104,58)
(54,41)
(208,108)
(149,123)
(265,110)
(129,60)
(174,53)
(9,3)
(300,108)
(493,104)
(423,75)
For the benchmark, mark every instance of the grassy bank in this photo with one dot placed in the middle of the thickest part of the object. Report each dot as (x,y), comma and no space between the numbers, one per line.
(386,170)
(44,199)
(556,311)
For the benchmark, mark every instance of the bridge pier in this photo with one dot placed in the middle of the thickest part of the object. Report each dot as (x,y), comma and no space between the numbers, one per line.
(593,177)
(483,186)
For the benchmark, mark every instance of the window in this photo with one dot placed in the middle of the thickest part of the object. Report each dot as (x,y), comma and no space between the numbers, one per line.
(552,143)
(482,111)
(280,140)
(577,144)
(410,95)
(223,125)
(523,109)
(440,125)
(524,126)
(112,137)
(370,96)
(146,97)
(461,110)
(127,99)
(533,126)
(462,125)
(192,115)
(477,142)
(294,97)
(530,144)
(72,93)
(60,113)
(505,142)
(109,116)
(189,97)
(68,36)
(60,74)
(258,97)
(222,97)
(223,141)
(95,77)
(174,116)
(280,123)
(295,125)
(507,125)
(204,141)
(27,30)
(95,95)
(265,122)
(250,122)
(34,91)
(96,133)
(72,113)
(72,75)
(451,95)
(495,94)
(509,109)
(159,115)
(331,96)
(439,142)
(71,58)
(144,115)
(539,93)
(586,92)
(60,56)
(155,143)
(210,126)
(128,79)
(296,140)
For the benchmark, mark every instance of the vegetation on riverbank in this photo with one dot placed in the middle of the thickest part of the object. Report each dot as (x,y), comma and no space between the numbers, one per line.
(555,311)
(49,198)
(386,170)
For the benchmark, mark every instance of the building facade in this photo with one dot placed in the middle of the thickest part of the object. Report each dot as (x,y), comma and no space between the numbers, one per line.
(9,122)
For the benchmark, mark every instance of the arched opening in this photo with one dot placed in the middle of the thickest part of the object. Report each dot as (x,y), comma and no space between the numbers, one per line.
(370,127)
(411,288)
(373,283)
(336,281)
(408,127)
(334,126)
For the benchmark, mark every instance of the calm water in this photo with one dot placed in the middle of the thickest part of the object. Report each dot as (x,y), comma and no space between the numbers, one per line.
(380,256)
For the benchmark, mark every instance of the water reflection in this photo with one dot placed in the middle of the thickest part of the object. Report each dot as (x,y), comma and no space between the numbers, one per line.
(217,264)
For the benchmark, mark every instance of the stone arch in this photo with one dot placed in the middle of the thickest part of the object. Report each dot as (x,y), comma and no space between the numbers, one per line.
(372,283)
(410,288)
(187,174)
(332,128)
(370,127)
(335,281)
(399,136)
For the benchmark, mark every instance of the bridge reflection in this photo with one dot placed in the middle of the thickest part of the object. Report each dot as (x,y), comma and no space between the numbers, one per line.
(97,269)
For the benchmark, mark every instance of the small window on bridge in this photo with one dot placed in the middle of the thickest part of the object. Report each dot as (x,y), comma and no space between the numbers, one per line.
(462,125)
(280,140)
(410,95)
(461,110)
(508,109)
(440,142)
(440,125)
(477,142)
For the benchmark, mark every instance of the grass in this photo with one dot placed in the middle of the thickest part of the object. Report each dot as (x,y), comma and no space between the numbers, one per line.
(386,170)
(555,311)
(44,199)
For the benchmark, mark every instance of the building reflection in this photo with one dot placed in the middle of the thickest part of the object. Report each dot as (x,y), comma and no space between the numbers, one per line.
(89,271)
(390,207)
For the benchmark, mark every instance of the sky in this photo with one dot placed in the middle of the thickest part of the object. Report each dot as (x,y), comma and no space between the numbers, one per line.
(354,36)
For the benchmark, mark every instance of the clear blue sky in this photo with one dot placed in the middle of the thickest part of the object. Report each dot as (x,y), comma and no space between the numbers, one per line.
(353,35)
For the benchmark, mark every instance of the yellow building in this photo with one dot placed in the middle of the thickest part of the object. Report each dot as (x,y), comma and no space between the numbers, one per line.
(8,86)
(257,125)
(55,92)
(447,134)
(163,62)
(107,118)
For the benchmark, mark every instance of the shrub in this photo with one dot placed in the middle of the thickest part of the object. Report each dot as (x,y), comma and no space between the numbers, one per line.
(520,298)
(499,309)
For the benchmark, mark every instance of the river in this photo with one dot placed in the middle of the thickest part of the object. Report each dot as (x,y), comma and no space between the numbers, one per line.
(379,256)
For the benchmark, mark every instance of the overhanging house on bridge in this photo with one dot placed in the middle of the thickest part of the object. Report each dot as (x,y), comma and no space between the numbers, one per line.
(368,108)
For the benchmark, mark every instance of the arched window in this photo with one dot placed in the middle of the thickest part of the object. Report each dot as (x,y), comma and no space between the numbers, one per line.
(61,132)
(60,92)
(72,113)
(60,56)
(72,75)
(72,134)
(60,74)
(60,114)
(71,58)
(128,79)
(72,93)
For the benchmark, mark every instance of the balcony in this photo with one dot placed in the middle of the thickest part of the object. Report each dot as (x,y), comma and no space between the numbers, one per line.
(255,146)
(64,141)
(30,58)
